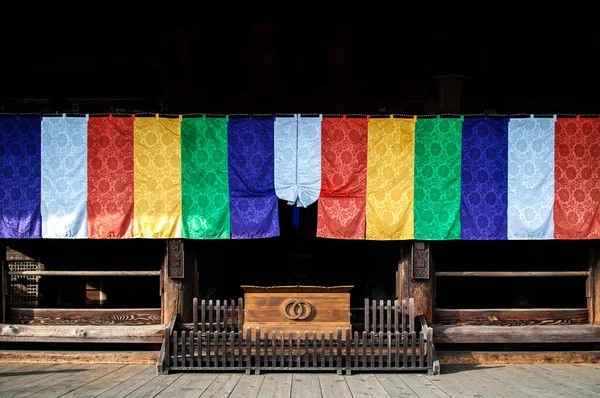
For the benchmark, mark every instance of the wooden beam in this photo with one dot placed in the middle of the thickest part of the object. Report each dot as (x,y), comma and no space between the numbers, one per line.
(84,273)
(513,274)
(498,316)
(593,286)
(89,316)
(146,357)
(178,292)
(516,334)
(514,357)
(153,334)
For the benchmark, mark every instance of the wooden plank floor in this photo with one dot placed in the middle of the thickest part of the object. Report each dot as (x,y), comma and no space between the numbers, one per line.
(140,380)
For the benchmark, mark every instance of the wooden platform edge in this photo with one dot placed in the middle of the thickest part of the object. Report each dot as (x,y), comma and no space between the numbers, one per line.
(516,357)
(24,356)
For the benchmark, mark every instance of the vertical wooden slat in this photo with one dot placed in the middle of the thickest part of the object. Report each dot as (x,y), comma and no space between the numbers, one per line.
(218,316)
(356,353)
(191,349)
(208,348)
(175,349)
(413,348)
(282,344)
(315,349)
(183,347)
(199,338)
(381,312)
(266,354)
(306,352)
(216,336)
(389,350)
(225,317)
(290,350)
(232,349)
(405,349)
(330,349)
(274,348)
(364,349)
(248,341)
(195,315)
(403,316)
(380,336)
(239,344)
(411,314)
(232,318)
(257,351)
(224,348)
(339,351)
(388,308)
(421,351)
(298,350)
(395,312)
(374,316)
(210,316)
(240,313)
(203,316)
(372,349)
(167,341)
(348,364)
(322,345)
(397,349)
(367,314)
(430,348)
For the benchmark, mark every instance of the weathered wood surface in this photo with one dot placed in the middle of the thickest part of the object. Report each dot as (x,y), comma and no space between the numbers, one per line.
(82,333)
(513,357)
(89,316)
(178,293)
(511,274)
(21,356)
(517,334)
(84,273)
(119,380)
(297,311)
(511,316)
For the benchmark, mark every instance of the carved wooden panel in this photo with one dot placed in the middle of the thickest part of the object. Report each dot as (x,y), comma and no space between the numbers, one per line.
(420,260)
(175,258)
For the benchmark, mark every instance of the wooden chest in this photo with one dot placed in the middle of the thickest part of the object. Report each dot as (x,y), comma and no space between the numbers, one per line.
(297,309)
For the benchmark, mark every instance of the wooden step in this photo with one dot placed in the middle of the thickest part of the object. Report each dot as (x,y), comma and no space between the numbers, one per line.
(147,357)
(516,334)
(513,357)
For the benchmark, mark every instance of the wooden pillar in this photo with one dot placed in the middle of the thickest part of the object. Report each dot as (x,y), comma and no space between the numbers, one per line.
(593,285)
(416,278)
(178,280)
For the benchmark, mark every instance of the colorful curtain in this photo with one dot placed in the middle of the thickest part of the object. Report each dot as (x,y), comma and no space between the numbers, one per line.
(577,182)
(110,177)
(253,202)
(341,206)
(205,185)
(530,210)
(298,159)
(390,179)
(20,177)
(157,177)
(437,178)
(484,178)
(64,177)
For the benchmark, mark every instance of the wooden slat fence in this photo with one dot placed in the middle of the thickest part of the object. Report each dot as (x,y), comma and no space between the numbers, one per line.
(215,342)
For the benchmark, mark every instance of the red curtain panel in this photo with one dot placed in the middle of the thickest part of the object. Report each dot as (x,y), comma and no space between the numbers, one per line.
(341,205)
(577,178)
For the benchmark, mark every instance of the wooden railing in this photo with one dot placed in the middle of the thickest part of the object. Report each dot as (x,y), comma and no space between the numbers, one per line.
(390,341)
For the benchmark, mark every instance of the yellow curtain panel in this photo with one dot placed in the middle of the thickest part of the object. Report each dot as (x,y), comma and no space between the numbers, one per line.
(157,177)
(390,179)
